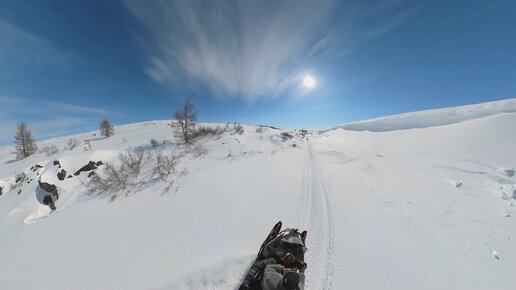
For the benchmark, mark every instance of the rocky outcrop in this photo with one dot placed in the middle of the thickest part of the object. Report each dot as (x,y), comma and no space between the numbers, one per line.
(51,195)
(92,165)
(35,167)
(61,175)
(1,190)
(50,188)
(47,200)
(56,163)
(88,167)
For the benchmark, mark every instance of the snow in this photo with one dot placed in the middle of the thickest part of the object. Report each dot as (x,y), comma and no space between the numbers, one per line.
(436,117)
(386,207)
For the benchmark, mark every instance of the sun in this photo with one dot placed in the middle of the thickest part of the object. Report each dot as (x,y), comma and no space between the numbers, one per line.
(309,82)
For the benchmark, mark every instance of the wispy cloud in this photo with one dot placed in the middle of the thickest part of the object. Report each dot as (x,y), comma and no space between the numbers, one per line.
(69,108)
(248,49)
(20,47)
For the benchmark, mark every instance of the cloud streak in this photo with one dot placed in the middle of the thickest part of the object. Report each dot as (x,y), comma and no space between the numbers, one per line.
(248,49)
(251,49)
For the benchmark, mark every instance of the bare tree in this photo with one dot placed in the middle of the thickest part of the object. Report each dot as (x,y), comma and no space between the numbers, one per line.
(24,143)
(106,129)
(186,117)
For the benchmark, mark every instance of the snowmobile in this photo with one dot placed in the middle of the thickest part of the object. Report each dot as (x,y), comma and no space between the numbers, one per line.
(287,247)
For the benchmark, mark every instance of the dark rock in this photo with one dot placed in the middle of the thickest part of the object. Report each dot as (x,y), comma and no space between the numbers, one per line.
(61,175)
(88,167)
(56,162)
(99,163)
(19,192)
(35,167)
(70,176)
(48,200)
(50,188)
(1,188)
(91,174)
(18,179)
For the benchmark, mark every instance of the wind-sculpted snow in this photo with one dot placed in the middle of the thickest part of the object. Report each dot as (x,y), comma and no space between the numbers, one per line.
(432,208)
(437,117)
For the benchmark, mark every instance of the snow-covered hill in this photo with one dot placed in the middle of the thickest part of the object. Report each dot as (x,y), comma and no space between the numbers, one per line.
(431,207)
(436,117)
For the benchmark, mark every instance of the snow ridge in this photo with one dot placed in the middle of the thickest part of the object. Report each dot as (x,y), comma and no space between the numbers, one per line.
(431,118)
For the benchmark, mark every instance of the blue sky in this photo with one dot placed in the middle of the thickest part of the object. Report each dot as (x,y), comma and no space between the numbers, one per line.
(66,64)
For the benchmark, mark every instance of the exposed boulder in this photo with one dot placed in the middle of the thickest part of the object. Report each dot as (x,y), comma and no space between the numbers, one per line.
(56,163)
(61,175)
(99,163)
(35,167)
(48,200)
(1,190)
(70,176)
(91,174)
(50,188)
(92,165)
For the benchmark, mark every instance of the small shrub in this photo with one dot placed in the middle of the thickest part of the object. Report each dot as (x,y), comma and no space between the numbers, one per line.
(198,150)
(114,180)
(131,162)
(203,131)
(286,135)
(49,150)
(238,129)
(165,166)
(19,177)
(72,143)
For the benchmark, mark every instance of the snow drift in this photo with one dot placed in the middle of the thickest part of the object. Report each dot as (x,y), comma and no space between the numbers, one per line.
(436,117)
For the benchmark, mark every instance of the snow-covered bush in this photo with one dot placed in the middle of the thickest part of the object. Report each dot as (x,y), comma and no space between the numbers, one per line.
(238,129)
(197,150)
(203,131)
(286,135)
(119,176)
(19,177)
(132,161)
(72,143)
(114,180)
(259,129)
(165,165)
(49,150)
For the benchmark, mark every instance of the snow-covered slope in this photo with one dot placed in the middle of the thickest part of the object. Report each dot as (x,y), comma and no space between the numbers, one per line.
(430,118)
(427,208)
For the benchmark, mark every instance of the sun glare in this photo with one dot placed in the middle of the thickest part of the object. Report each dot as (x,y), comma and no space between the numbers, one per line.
(309,82)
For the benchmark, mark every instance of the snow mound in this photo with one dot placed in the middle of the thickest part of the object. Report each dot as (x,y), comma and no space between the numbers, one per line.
(431,118)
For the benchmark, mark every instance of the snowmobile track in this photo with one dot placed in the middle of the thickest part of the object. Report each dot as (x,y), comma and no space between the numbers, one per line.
(316,215)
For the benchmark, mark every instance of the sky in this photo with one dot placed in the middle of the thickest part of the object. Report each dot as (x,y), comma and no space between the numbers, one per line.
(65,65)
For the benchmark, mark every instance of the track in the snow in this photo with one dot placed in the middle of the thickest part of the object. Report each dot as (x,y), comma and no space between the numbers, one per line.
(316,215)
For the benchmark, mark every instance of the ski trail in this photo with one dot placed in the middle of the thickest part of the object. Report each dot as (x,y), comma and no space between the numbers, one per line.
(317,217)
